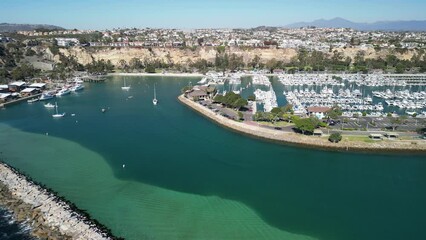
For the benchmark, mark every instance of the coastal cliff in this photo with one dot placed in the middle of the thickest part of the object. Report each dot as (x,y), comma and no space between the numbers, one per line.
(174,55)
(185,56)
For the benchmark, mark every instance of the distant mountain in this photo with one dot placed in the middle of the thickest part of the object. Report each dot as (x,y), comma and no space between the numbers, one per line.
(12,27)
(382,25)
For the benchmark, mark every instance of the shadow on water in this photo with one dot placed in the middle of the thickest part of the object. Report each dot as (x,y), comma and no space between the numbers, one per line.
(328,195)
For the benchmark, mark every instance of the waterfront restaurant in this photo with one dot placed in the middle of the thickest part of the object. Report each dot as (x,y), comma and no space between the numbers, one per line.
(16,86)
(4,88)
(40,86)
(29,91)
(200,92)
(4,97)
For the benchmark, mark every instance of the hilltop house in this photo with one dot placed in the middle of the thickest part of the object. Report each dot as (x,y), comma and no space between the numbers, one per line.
(66,42)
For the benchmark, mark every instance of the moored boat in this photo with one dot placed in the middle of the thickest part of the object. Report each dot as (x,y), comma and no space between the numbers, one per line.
(63,91)
(57,115)
(155,101)
(77,87)
(46,96)
(32,100)
(124,87)
(49,105)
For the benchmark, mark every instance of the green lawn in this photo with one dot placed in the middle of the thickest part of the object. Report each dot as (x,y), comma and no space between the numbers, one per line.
(358,139)
(276,124)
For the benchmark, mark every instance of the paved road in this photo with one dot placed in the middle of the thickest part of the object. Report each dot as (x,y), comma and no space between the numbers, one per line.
(359,125)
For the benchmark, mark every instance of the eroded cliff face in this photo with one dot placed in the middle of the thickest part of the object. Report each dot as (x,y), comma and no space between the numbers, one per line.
(184,56)
(175,55)
(371,53)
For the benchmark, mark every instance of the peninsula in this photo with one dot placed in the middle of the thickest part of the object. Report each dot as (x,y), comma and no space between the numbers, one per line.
(250,128)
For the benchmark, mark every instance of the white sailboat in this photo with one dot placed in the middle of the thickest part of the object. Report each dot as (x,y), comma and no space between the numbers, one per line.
(124,87)
(154,101)
(57,115)
(49,105)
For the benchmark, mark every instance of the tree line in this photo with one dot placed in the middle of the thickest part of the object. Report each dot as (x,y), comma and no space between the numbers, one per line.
(231,100)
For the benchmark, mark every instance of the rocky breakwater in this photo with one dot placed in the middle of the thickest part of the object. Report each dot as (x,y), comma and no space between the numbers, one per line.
(49,216)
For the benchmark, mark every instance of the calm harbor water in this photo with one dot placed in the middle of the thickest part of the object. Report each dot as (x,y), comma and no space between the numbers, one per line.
(187,178)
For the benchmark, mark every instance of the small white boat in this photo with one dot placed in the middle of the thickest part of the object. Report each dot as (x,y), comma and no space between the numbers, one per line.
(154,101)
(46,96)
(32,100)
(49,105)
(77,87)
(63,91)
(57,115)
(124,87)
(78,80)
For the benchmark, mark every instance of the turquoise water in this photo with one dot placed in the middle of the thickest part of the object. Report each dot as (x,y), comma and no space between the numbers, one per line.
(187,178)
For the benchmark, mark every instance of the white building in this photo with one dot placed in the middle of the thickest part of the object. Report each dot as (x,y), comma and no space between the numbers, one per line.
(66,42)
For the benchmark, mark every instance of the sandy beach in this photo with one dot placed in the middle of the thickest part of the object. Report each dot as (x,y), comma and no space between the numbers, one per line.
(158,74)
(180,74)
(418,146)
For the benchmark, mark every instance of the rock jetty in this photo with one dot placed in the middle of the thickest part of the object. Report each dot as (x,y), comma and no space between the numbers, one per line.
(49,216)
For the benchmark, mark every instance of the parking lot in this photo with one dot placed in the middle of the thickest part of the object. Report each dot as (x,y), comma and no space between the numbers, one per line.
(226,112)
(369,123)
(355,125)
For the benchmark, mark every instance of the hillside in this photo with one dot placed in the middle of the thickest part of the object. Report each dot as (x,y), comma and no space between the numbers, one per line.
(382,25)
(184,56)
(175,55)
(12,27)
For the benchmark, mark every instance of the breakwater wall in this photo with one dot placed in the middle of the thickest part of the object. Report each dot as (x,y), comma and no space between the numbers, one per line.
(48,215)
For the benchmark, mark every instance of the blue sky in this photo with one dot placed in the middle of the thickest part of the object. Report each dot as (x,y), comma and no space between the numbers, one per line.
(102,14)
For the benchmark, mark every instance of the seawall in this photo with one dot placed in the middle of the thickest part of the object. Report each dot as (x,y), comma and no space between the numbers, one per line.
(412,146)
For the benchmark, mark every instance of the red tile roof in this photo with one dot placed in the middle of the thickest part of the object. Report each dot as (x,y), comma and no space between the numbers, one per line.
(318,109)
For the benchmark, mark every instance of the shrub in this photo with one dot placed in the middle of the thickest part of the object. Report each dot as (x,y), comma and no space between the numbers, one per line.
(335,137)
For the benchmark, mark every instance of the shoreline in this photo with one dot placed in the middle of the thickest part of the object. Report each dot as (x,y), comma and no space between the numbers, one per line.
(48,215)
(16,101)
(183,74)
(158,74)
(294,139)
